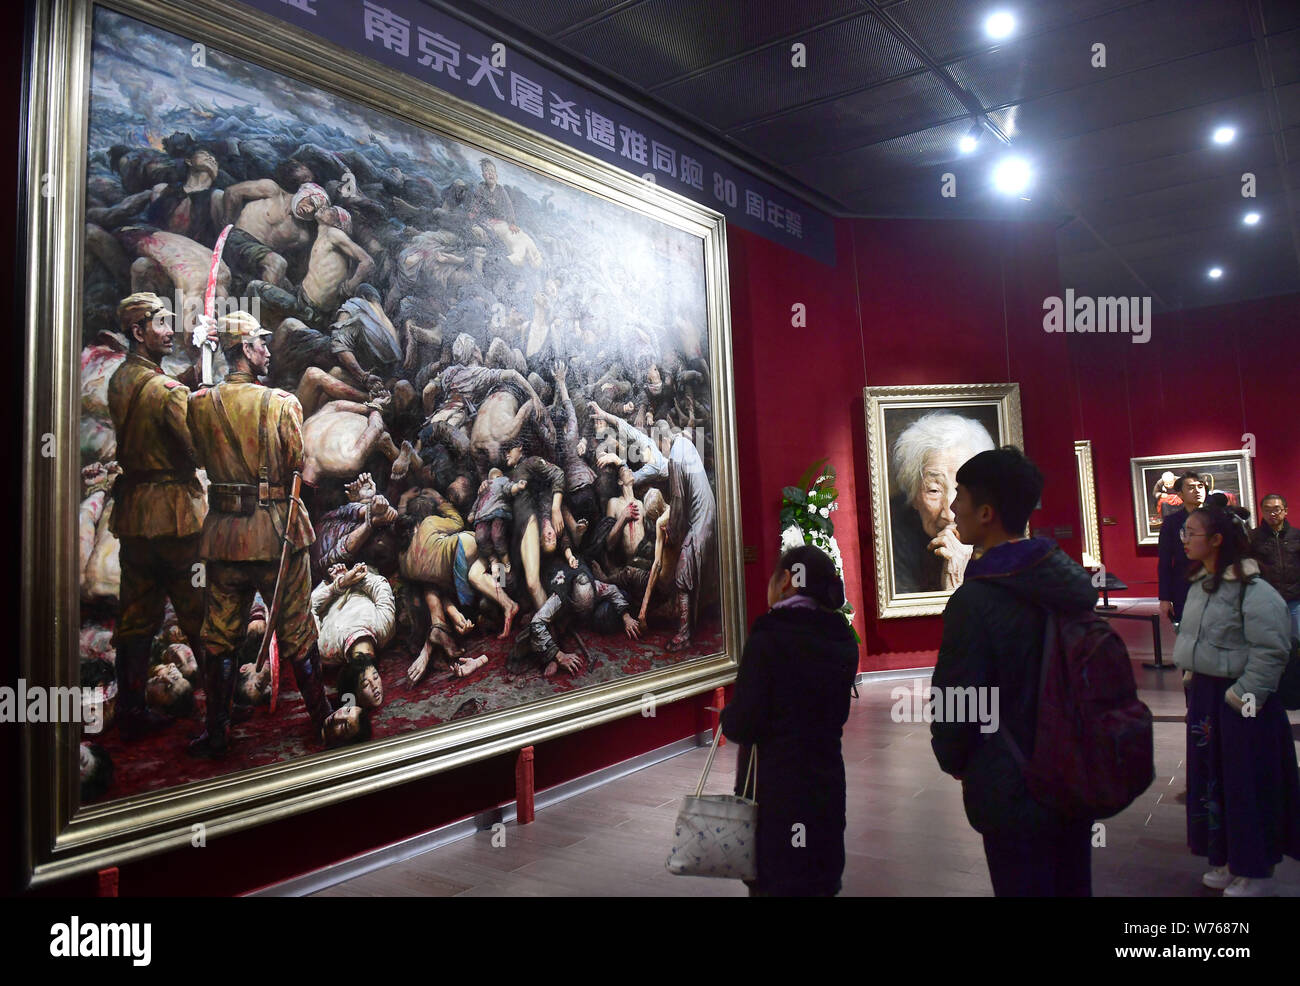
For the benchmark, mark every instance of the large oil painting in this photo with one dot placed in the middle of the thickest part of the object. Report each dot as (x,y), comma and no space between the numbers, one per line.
(383,426)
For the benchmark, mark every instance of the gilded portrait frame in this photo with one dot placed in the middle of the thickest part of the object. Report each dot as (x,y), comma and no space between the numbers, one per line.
(1087,480)
(1239,458)
(63,839)
(999,401)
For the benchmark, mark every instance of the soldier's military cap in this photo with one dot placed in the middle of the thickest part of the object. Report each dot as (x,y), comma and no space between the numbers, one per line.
(142,304)
(240,327)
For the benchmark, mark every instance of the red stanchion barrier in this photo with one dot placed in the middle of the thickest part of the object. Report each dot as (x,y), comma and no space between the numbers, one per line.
(108,882)
(524,786)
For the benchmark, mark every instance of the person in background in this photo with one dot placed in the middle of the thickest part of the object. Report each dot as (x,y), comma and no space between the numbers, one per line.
(1243,786)
(1171,565)
(791,701)
(993,632)
(1276,544)
(1229,497)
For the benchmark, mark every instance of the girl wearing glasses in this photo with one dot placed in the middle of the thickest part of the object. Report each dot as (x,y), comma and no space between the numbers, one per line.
(1243,787)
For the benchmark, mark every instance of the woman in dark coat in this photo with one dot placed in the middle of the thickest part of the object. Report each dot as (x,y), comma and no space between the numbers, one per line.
(791,701)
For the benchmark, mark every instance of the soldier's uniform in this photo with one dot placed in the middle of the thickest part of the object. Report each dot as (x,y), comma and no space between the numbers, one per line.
(249,439)
(158,510)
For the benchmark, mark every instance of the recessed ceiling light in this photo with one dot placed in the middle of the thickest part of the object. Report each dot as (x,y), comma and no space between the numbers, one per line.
(1012,175)
(999,25)
(1250,218)
(1215,273)
(1224,135)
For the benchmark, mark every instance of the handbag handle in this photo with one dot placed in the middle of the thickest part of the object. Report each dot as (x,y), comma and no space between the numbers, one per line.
(751,772)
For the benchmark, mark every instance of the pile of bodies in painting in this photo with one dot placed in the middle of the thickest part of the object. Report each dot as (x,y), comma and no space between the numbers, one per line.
(486,444)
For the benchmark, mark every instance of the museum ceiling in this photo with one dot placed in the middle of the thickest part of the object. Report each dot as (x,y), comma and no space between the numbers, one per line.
(1124,164)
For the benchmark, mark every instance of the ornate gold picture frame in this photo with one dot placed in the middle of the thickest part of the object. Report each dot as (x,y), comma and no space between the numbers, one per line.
(1153,478)
(917,437)
(1087,480)
(64,837)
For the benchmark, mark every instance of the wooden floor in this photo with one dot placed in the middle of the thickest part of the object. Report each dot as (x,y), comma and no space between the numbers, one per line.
(906,835)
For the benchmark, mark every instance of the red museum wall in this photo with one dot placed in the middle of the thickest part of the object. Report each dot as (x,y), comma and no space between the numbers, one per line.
(1207,377)
(910,302)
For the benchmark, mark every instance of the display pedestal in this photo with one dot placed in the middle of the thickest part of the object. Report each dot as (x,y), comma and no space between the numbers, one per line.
(1112,585)
(1107,610)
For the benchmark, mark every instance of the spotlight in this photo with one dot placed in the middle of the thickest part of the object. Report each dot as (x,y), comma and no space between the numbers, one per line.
(1250,218)
(1012,175)
(969,141)
(999,25)
(1224,135)
(1215,273)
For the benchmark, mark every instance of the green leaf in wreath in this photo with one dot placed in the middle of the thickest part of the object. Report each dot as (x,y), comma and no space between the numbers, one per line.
(815,470)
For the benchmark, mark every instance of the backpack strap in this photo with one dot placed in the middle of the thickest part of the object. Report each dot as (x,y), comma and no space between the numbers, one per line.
(1016,753)
(1050,640)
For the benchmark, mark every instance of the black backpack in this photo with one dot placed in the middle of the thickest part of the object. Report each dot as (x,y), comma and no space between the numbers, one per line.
(1094,744)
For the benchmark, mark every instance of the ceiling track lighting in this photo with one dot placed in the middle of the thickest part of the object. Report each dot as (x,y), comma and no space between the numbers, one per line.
(1012,176)
(999,25)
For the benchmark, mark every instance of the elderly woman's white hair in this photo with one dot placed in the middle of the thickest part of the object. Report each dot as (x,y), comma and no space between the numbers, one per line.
(935,431)
(462,350)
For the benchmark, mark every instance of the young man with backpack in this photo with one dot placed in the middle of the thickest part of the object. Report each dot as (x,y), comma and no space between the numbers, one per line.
(1023,618)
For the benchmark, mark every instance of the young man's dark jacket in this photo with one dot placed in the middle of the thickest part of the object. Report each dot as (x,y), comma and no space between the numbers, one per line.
(993,637)
(791,700)
(1172,566)
(1279,558)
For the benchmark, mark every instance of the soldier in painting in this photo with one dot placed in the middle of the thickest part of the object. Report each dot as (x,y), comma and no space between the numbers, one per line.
(159,507)
(249,438)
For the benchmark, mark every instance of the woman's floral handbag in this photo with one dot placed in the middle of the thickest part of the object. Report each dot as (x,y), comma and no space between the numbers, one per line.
(715,833)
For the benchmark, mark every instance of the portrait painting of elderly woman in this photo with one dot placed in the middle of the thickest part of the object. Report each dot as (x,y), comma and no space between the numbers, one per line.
(918,438)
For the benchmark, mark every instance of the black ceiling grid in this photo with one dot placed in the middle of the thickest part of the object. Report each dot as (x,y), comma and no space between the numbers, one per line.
(1143,201)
